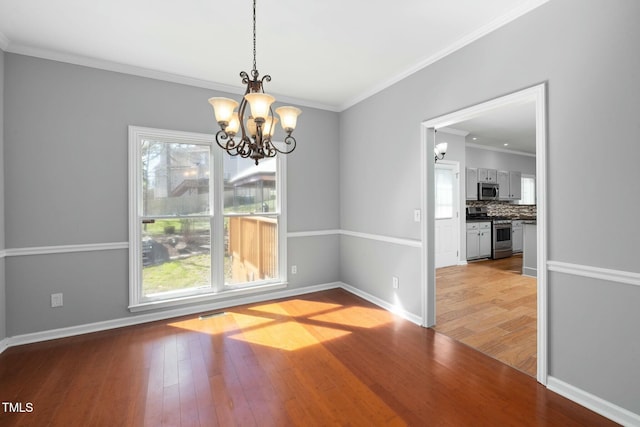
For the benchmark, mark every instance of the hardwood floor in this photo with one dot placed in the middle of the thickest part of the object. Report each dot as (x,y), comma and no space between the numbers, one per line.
(328,358)
(491,307)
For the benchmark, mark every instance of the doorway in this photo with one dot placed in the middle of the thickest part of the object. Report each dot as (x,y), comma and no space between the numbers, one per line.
(537,95)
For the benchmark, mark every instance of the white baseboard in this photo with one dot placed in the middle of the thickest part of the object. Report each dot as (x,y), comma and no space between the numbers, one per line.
(383,304)
(168,314)
(161,315)
(596,404)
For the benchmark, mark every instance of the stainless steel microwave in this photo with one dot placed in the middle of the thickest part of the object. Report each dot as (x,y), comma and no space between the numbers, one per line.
(488,191)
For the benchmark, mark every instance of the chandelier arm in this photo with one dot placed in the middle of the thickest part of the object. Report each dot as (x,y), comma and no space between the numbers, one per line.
(290,141)
(225,142)
(241,110)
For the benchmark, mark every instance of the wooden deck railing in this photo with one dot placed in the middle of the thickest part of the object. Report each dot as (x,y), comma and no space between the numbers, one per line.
(253,243)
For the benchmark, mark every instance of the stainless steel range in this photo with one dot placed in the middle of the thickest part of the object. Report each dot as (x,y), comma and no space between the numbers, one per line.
(501,233)
(501,243)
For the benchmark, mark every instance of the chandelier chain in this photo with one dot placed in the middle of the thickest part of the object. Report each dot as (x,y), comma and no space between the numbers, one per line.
(255,68)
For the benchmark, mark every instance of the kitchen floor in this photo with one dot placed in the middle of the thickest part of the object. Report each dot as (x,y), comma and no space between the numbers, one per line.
(491,307)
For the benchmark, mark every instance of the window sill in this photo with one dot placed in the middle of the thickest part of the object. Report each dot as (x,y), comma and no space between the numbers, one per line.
(176,302)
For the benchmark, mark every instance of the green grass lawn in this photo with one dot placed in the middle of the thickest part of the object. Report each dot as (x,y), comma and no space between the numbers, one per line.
(185,273)
(191,272)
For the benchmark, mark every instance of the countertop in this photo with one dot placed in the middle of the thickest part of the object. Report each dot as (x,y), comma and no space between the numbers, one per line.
(524,219)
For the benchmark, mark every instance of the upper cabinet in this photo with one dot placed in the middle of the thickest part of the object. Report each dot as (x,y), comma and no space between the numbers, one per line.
(472,183)
(509,182)
(503,185)
(515,185)
(487,175)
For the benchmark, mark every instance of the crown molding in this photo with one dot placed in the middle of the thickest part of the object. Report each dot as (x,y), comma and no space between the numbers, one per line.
(117,67)
(457,45)
(453,131)
(501,150)
(8,46)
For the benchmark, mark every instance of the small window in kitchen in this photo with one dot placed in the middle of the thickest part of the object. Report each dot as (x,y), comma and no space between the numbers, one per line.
(528,190)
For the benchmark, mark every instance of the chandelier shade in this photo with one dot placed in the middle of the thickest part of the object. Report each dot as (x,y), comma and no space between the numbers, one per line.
(256,127)
(289,117)
(223,108)
(440,150)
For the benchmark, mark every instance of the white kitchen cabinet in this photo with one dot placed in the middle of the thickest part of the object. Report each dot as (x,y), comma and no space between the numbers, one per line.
(485,240)
(472,183)
(517,235)
(515,185)
(503,185)
(478,240)
(473,243)
(487,175)
(510,185)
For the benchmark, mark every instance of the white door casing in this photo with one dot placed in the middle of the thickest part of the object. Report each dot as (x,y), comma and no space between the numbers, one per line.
(538,95)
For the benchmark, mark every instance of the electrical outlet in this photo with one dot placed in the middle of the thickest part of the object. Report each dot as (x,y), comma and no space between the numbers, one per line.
(396,282)
(56,300)
(294,269)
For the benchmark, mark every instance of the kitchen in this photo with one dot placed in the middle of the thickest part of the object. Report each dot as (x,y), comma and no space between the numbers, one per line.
(487,299)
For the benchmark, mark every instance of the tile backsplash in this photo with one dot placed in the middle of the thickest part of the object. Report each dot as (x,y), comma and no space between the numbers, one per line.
(498,208)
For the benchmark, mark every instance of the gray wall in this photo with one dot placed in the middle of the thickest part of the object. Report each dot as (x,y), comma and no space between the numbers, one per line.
(3,304)
(66,173)
(586,51)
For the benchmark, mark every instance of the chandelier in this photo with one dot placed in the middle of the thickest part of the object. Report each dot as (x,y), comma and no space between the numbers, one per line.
(256,130)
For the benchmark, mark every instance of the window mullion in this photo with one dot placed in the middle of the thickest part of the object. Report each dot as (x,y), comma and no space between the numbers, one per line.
(216,189)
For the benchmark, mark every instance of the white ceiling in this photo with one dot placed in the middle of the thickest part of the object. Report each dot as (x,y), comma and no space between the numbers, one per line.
(510,128)
(329,54)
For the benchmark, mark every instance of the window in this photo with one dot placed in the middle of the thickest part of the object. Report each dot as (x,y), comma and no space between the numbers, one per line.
(202,223)
(444,179)
(528,190)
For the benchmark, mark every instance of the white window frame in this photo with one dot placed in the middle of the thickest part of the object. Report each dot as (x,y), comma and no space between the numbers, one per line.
(216,199)
(528,176)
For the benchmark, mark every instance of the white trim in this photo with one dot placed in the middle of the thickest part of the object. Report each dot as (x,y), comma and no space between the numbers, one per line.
(535,94)
(162,315)
(396,240)
(146,72)
(4,344)
(63,249)
(383,304)
(459,44)
(501,150)
(595,403)
(607,274)
(539,93)
(90,247)
(313,233)
(201,298)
